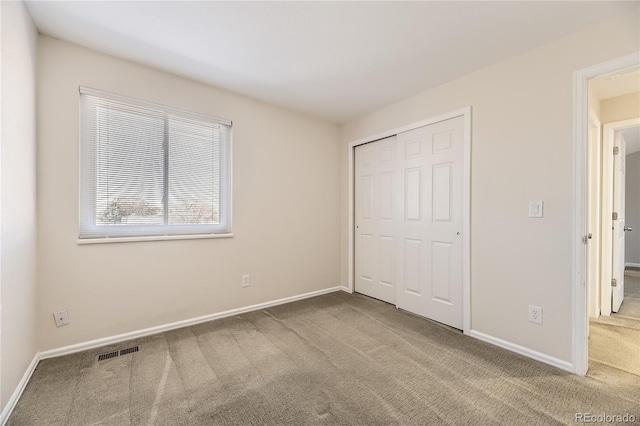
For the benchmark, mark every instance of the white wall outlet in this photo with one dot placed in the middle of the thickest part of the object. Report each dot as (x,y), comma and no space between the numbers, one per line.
(61,317)
(535,208)
(246,280)
(535,314)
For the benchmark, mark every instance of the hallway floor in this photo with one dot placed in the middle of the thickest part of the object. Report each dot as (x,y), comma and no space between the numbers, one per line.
(631,303)
(614,341)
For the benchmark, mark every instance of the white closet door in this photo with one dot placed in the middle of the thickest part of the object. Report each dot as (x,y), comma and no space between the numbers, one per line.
(429,256)
(377,213)
(408,216)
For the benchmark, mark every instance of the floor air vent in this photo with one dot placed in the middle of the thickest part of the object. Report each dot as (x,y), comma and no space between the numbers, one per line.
(107,356)
(129,350)
(114,354)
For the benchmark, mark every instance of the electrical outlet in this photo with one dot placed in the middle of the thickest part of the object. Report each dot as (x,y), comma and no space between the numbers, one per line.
(246,280)
(535,314)
(61,318)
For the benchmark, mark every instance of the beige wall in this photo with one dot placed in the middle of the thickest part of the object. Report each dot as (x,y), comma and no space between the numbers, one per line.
(18,196)
(620,108)
(522,149)
(285,209)
(632,209)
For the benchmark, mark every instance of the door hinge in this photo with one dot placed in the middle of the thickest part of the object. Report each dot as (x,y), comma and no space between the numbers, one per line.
(616,150)
(615,216)
(614,282)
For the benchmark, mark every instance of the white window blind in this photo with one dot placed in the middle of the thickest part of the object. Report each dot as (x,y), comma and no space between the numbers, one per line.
(151,170)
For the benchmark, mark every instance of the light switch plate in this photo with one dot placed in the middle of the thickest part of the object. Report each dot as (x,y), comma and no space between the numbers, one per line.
(535,208)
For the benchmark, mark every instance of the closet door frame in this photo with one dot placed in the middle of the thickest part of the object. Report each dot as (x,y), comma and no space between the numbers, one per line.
(466,201)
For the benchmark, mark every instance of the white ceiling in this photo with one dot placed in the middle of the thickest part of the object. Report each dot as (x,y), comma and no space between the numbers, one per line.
(334,60)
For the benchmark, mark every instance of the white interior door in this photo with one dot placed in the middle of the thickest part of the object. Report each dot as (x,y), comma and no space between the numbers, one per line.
(612,235)
(617,292)
(430,243)
(377,211)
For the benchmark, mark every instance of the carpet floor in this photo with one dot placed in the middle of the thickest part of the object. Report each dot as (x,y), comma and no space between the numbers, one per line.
(615,340)
(336,359)
(616,346)
(631,303)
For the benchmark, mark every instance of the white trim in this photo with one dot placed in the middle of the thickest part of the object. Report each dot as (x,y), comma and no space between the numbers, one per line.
(11,404)
(466,200)
(580,119)
(107,240)
(621,125)
(593,205)
(431,120)
(347,289)
(1,222)
(578,290)
(529,353)
(92,344)
(351,227)
(632,265)
(151,105)
(466,225)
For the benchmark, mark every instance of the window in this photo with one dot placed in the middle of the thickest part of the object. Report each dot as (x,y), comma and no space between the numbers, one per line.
(150,170)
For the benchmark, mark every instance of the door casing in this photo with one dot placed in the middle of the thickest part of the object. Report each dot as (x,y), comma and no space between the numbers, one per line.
(594,214)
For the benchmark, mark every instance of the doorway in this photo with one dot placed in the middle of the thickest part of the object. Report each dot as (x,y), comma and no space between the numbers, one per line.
(600,219)
(409,217)
(614,332)
(620,139)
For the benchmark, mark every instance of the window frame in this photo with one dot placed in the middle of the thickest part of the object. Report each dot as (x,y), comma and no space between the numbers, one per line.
(89,232)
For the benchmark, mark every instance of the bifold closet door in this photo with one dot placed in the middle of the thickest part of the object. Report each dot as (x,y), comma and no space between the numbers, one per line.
(377,212)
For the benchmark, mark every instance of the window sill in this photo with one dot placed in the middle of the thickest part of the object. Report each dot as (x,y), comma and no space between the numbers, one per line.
(107,240)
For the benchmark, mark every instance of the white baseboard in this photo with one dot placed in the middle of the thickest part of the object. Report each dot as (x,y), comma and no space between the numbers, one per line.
(538,356)
(633,265)
(92,344)
(11,404)
(347,289)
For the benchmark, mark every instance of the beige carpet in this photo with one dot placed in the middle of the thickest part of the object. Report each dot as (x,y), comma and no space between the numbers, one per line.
(615,340)
(631,303)
(630,308)
(336,359)
(616,346)
(629,313)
